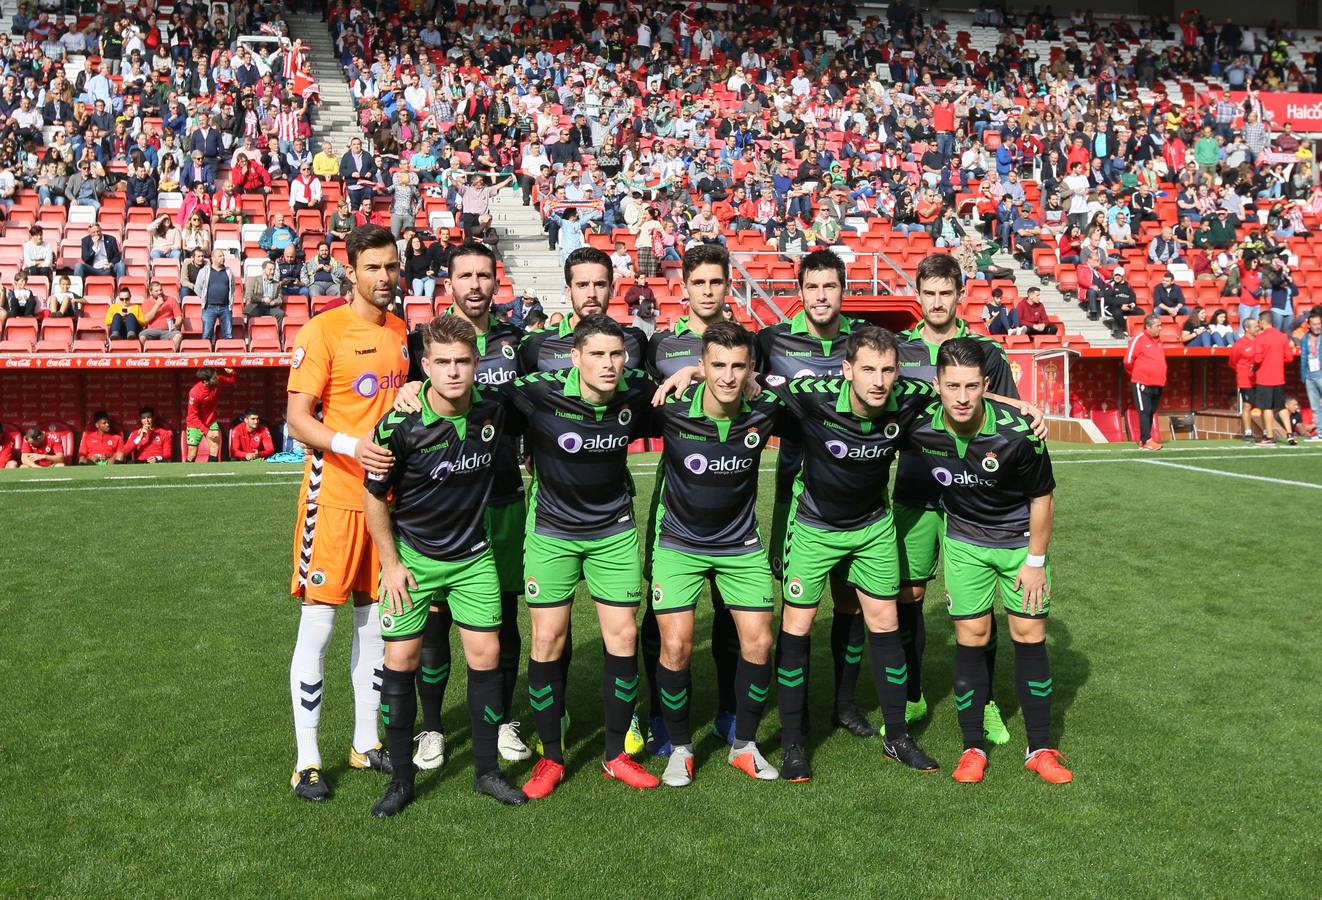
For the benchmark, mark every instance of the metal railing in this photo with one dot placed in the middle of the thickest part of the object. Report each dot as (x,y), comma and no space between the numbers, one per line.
(884,277)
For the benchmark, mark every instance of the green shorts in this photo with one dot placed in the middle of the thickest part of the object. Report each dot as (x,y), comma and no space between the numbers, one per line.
(974,576)
(193,436)
(471,588)
(780,519)
(553,566)
(918,540)
(744,580)
(505,525)
(864,558)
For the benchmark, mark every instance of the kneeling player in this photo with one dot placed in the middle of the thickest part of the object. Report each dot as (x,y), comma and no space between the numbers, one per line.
(996,487)
(435,547)
(706,526)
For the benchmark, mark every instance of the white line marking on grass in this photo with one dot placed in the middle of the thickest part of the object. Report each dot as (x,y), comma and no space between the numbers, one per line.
(1147,459)
(1206,471)
(96,486)
(210,475)
(45,480)
(130,478)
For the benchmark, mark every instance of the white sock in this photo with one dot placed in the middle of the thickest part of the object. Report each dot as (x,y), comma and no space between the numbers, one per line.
(307,679)
(365,666)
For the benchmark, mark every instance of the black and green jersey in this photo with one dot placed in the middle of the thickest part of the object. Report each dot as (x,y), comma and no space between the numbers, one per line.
(788,349)
(847,457)
(580,484)
(918,361)
(497,365)
(985,481)
(709,471)
(442,475)
(670,351)
(548,350)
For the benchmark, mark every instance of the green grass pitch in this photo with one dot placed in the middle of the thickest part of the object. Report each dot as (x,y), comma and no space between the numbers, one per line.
(146,738)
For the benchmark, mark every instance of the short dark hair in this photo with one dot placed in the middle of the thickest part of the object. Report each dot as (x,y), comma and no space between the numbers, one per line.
(585,255)
(730,335)
(873,337)
(598,323)
(250,411)
(706,254)
(206,373)
(938,265)
(964,352)
(100,415)
(473,248)
(146,411)
(536,317)
(446,329)
(367,237)
(820,261)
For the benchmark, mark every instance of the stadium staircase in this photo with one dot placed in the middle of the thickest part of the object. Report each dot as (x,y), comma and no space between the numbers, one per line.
(1073,319)
(335,120)
(532,267)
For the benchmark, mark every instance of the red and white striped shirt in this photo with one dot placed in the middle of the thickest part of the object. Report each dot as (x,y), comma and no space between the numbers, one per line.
(286,125)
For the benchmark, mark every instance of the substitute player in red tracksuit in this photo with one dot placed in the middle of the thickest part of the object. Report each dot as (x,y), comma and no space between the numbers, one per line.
(1243,359)
(200,419)
(1145,363)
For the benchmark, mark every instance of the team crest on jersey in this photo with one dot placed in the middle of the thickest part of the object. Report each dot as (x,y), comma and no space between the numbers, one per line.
(507,350)
(752,439)
(892,430)
(317,578)
(990,463)
(657,594)
(532,588)
(488,430)
(297,361)
(404,350)
(775,380)
(794,588)
(625,416)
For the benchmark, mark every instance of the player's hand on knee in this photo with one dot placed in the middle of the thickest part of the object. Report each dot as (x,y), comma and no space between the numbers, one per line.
(373,457)
(408,399)
(396,580)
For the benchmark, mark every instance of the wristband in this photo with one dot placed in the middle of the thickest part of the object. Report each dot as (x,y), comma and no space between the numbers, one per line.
(344,445)
(1035,561)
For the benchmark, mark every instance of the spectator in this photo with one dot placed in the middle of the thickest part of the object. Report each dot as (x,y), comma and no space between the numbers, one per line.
(341,222)
(195,235)
(277,237)
(1168,297)
(215,285)
(323,275)
(165,239)
(264,294)
(1145,364)
(250,439)
(421,267)
(1033,315)
(1120,302)
(124,317)
(1164,249)
(196,171)
(1310,367)
(100,255)
(1219,327)
(1197,331)
(249,176)
(1271,353)
(289,272)
(1242,361)
(162,319)
(325,164)
(357,174)
(38,256)
(99,445)
(147,443)
(141,189)
(475,201)
(188,273)
(40,449)
(525,308)
(405,198)
(64,302)
(20,300)
(1279,282)
(200,418)
(1000,318)
(51,183)
(645,318)
(621,261)
(305,190)
(85,188)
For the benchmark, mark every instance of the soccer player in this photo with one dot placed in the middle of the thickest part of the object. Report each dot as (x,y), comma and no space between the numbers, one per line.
(472,285)
(812,344)
(916,500)
(589,281)
(351,360)
(706,285)
(996,487)
(839,524)
(200,417)
(435,546)
(581,525)
(706,527)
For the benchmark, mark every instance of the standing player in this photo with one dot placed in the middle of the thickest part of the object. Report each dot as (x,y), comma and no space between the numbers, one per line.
(1242,361)
(812,344)
(581,525)
(996,487)
(200,417)
(435,547)
(472,284)
(916,510)
(706,527)
(351,360)
(1145,364)
(706,284)
(1271,353)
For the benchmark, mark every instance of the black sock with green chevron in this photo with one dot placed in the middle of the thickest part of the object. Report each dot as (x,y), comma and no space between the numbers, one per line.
(913,635)
(619,693)
(546,696)
(674,688)
(649,642)
(971,688)
(792,652)
(1032,682)
(724,652)
(846,654)
(485,712)
(752,684)
(434,666)
(989,656)
(511,650)
(399,707)
(890,676)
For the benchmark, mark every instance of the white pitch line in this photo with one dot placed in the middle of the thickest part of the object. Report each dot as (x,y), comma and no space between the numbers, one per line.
(1206,471)
(131,477)
(1146,459)
(95,486)
(44,480)
(210,475)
